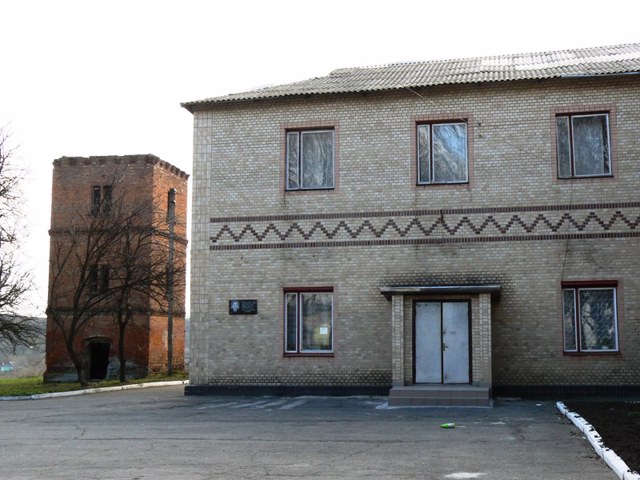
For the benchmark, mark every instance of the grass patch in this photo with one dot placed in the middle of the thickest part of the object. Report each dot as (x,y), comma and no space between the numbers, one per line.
(14,387)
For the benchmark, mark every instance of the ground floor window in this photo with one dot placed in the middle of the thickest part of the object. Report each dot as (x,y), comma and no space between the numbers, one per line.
(590,317)
(308,320)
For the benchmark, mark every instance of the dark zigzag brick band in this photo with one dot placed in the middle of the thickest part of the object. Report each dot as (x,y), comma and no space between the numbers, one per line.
(526,224)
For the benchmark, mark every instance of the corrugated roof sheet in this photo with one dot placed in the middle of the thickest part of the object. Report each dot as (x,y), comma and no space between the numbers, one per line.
(617,59)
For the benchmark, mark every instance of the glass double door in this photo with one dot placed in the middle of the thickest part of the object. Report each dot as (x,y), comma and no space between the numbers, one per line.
(442,343)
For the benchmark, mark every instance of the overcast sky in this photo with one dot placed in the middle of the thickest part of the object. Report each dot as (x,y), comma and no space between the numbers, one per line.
(83,78)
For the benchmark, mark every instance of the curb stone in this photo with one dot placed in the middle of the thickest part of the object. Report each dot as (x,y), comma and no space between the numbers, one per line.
(609,456)
(71,393)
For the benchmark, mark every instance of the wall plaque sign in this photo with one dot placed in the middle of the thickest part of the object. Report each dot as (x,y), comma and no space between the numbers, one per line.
(243,307)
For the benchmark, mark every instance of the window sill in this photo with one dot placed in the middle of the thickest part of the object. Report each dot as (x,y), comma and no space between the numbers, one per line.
(592,354)
(302,190)
(586,177)
(311,354)
(439,184)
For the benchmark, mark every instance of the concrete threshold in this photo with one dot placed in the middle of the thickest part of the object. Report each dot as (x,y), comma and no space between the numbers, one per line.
(440,396)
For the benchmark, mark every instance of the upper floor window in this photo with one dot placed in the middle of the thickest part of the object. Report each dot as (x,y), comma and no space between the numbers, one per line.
(308,320)
(590,318)
(442,153)
(98,279)
(101,199)
(310,159)
(583,145)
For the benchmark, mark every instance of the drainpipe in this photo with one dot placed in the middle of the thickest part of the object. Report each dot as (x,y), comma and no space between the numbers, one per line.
(171,221)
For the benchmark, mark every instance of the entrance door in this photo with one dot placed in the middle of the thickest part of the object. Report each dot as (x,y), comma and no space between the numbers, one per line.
(442,342)
(98,360)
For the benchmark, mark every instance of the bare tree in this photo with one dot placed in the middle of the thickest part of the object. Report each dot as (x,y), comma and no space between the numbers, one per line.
(140,272)
(130,241)
(76,293)
(15,283)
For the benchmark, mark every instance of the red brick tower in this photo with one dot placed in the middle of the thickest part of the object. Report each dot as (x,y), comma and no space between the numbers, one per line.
(86,191)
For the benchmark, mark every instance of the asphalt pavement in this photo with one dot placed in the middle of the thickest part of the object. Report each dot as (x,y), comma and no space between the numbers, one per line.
(161,434)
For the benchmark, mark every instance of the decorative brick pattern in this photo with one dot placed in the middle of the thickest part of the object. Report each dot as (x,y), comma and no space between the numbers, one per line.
(544,223)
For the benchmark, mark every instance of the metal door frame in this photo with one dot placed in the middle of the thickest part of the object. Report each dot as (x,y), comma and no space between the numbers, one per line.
(441,301)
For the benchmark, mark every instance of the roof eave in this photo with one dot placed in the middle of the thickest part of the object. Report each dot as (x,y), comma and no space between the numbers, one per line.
(199,105)
(597,75)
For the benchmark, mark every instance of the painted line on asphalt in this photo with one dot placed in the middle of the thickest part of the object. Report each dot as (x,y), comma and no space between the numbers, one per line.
(217,405)
(272,404)
(294,404)
(252,404)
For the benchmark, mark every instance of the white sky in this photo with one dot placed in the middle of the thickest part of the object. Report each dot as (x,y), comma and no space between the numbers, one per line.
(83,78)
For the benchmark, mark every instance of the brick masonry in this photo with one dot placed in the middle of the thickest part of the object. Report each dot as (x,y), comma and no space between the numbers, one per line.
(445,226)
(140,178)
(514,224)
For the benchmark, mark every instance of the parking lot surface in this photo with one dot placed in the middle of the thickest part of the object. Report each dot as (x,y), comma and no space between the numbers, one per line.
(160,434)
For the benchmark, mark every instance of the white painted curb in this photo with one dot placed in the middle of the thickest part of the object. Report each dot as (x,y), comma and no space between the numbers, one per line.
(87,391)
(609,456)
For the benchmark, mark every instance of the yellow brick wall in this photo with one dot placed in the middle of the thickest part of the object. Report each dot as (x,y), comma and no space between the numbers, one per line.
(514,224)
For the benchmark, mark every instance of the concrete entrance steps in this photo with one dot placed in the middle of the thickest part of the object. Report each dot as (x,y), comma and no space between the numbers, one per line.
(440,396)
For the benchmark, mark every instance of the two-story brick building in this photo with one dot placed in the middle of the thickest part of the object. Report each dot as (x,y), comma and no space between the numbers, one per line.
(443,229)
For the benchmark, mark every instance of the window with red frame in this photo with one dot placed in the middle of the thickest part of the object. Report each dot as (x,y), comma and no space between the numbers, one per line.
(442,153)
(308,321)
(583,145)
(310,159)
(590,318)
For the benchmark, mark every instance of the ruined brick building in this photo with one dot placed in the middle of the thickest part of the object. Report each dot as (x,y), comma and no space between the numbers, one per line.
(441,231)
(86,191)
